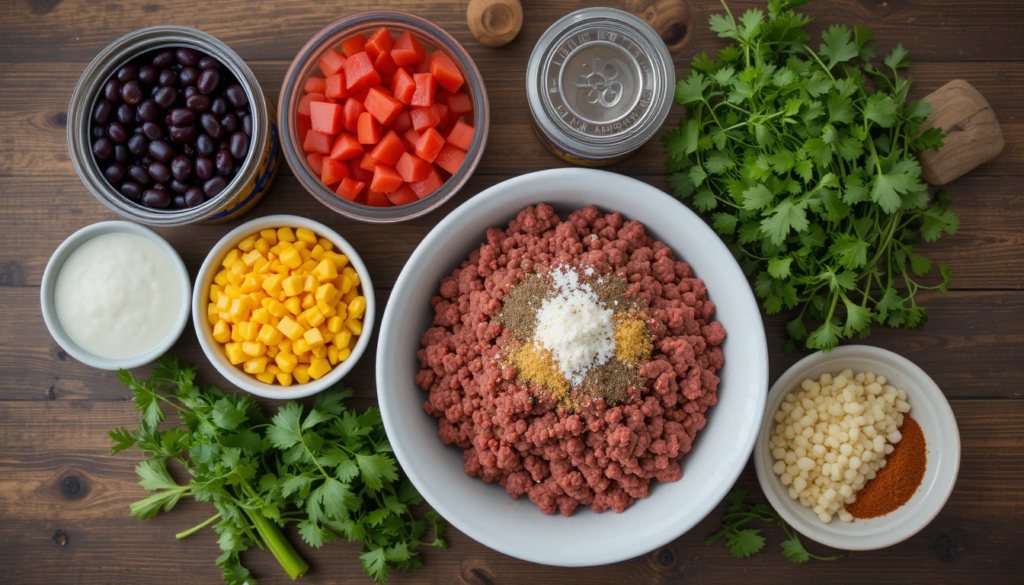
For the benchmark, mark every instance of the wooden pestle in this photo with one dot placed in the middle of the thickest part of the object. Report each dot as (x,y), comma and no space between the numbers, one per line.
(494,22)
(973,136)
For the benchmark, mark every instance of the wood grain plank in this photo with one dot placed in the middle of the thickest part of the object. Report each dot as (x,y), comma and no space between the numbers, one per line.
(63,487)
(33,116)
(971,347)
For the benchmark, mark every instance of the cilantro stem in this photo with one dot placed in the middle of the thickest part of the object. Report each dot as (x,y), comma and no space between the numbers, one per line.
(283,551)
(197,527)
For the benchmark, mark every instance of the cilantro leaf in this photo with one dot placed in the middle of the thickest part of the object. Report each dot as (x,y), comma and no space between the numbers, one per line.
(375,468)
(837,47)
(757,197)
(850,251)
(691,89)
(285,430)
(794,551)
(880,109)
(898,59)
(786,216)
(375,564)
(779,267)
(744,543)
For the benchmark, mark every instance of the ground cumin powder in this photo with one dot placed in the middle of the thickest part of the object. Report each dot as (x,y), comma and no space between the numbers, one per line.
(895,483)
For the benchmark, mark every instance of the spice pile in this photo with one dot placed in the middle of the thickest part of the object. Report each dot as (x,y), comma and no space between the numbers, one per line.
(576,336)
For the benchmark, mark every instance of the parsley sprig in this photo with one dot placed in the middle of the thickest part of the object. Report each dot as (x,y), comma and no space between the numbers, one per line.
(744,542)
(804,159)
(329,469)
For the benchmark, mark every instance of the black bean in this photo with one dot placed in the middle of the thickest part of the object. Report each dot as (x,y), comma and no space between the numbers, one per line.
(194,197)
(112,91)
(230,123)
(99,131)
(128,73)
(103,148)
(101,113)
(161,151)
(121,153)
(139,145)
(204,168)
(168,78)
(163,59)
(153,130)
(204,145)
(159,187)
(181,167)
(117,133)
(190,91)
(188,76)
(188,57)
(159,172)
(179,201)
(214,186)
(197,103)
(180,117)
(138,129)
(182,133)
(139,174)
(165,96)
(148,111)
(236,95)
(114,174)
(247,124)
(239,145)
(211,125)
(131,189)
(208,81)
(131,92)
(179,187)
(156,198)
(208,62)
(126,114)
(219,106)
(224,163)
(148,74)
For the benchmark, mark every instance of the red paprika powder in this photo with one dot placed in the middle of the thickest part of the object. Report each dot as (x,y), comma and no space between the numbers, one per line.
(895,483)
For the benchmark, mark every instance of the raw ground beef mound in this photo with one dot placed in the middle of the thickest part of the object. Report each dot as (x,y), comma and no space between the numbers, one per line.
(605,456)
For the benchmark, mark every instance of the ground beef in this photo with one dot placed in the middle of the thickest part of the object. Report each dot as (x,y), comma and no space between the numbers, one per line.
(605,455)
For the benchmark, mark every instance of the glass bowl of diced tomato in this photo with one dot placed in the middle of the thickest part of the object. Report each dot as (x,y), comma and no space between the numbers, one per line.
(383,116)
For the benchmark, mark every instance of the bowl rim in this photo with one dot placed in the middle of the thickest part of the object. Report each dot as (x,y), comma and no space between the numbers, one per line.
(47,291)
(296,157)
(796,515)
(216,357)
(429,490)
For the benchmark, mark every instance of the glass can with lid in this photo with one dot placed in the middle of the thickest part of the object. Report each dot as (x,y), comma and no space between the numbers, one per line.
(599,84)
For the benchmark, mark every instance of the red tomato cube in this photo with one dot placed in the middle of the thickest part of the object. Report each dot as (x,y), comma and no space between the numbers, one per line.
(359,73)
(350,114)
(307,99)
(314,85)
(377,199)
(315,160)
(427,186)
(446,71)
(358,172)
(317,142)
(404,86)
(412,168)
(461,136)
(333,171)
(385,65)
(450,158)
(326,117)
(335,86)
(350,188)
(403,195)
(429,145)
(379,42)
(331,62)
(459,103)
(402,122)
(423,118)
(383,107)
(407,50)
(426,87)
(388,150)
(346,147)
(353,45)
(368,129)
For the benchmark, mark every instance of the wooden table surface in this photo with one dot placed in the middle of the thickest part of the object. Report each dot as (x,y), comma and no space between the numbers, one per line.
(64,500)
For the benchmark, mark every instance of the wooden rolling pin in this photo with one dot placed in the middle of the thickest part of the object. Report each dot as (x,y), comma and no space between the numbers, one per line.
(494,22)
(973,136)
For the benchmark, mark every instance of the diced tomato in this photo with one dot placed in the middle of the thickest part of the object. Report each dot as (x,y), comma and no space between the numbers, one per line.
(333,171)
(350,114)
(303,125)
(403,195)
(350,188)
(459,103)
(317,142)
(359,73)
(404,86)
(384,90)
(450,158)
(346,147)
(352,45)
(358,172)
(361,96)
(385,179)
(388,150)
(383,107)
(429,145)
(442,110)
(427,186)
(367,163)
(305,100)
(411,138)
(407,50)
(385,65)
(461,136)
(423,118)
(423,66)
(335,86)
(331,62)
(377,199)
(446,71)
(426,87)
(315,160)
(368,129)
(325,117)
(402,122)
(379,42)
(314,85)
(412,168)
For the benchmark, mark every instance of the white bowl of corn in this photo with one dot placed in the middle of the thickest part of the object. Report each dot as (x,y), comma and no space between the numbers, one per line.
(283,307)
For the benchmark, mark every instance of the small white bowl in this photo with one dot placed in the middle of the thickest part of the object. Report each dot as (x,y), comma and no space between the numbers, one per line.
(929,408)
(215,351)
(49,284)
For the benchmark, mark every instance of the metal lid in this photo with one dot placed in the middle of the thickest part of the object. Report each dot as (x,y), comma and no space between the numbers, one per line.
(599,83)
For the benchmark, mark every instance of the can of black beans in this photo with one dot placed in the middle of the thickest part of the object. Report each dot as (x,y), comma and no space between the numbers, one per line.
(168,126)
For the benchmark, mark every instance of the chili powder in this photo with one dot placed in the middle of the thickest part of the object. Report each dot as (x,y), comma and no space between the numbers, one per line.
(895,483)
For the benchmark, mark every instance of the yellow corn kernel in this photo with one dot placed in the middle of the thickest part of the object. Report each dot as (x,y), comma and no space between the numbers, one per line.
(235,279)
(345,284)
(239,267)
(266,377)
(281,269)
(313,316)
(318,367)
(332,355)
(252,283)
(301,373)
(263,246)
(292,285)
(239,310)
(222,332)
(212,312)
(262,266)
(272,351)
(286,361)
(326,293)
(236,335)
(301,245)
(308,300)
(223,303)
(257,297)
(325,244)
(261,316)
(284,379)
(290,328)
(274,321)
(235,353)
(272,284)
(317,253)
(328,336)
(319,352)
(325,271)
(350,295)
(270,335)
(303,358)
(230,258)
(285,345)
(301,346)
(294,305)
(221,278)
(352,274)
(249,330)
(251,257)
(291,258)
(216,291)
(314,338)
(342,338)
(334,324)
(272,367)
(310,283)
(354,325)
(247,244)
(344,353)
(254,348)
(301,320)
(340,260)
(277,308)
(285,234)
(256,365)
(270,235)
(305,235)
(306,267)
(357,307)
(232,291)
(325,309)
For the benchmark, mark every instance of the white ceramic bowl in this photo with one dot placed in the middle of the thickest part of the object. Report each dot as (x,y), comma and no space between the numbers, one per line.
(929,408)
(53,267)
(516,527)
(215,351)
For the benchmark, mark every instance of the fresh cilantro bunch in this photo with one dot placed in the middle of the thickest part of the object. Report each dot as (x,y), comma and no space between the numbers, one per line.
(744,542)
(805,160)
(331,471)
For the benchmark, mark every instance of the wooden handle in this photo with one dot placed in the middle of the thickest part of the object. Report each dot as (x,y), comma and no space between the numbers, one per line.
(494,22)
(973,136)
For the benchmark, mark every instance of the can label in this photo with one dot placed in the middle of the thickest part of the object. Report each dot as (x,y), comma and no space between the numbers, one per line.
(249,194)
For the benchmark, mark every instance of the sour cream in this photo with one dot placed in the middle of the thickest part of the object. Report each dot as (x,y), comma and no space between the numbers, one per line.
(118,296)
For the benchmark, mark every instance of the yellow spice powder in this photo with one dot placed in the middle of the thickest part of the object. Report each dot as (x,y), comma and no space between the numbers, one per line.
(632,341)
(537,366)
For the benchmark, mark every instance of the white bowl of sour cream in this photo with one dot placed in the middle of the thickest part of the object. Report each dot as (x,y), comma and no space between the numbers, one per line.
(115,295)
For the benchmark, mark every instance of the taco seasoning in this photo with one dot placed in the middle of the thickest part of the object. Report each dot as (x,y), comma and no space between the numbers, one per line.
(897,482)
(599,84)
